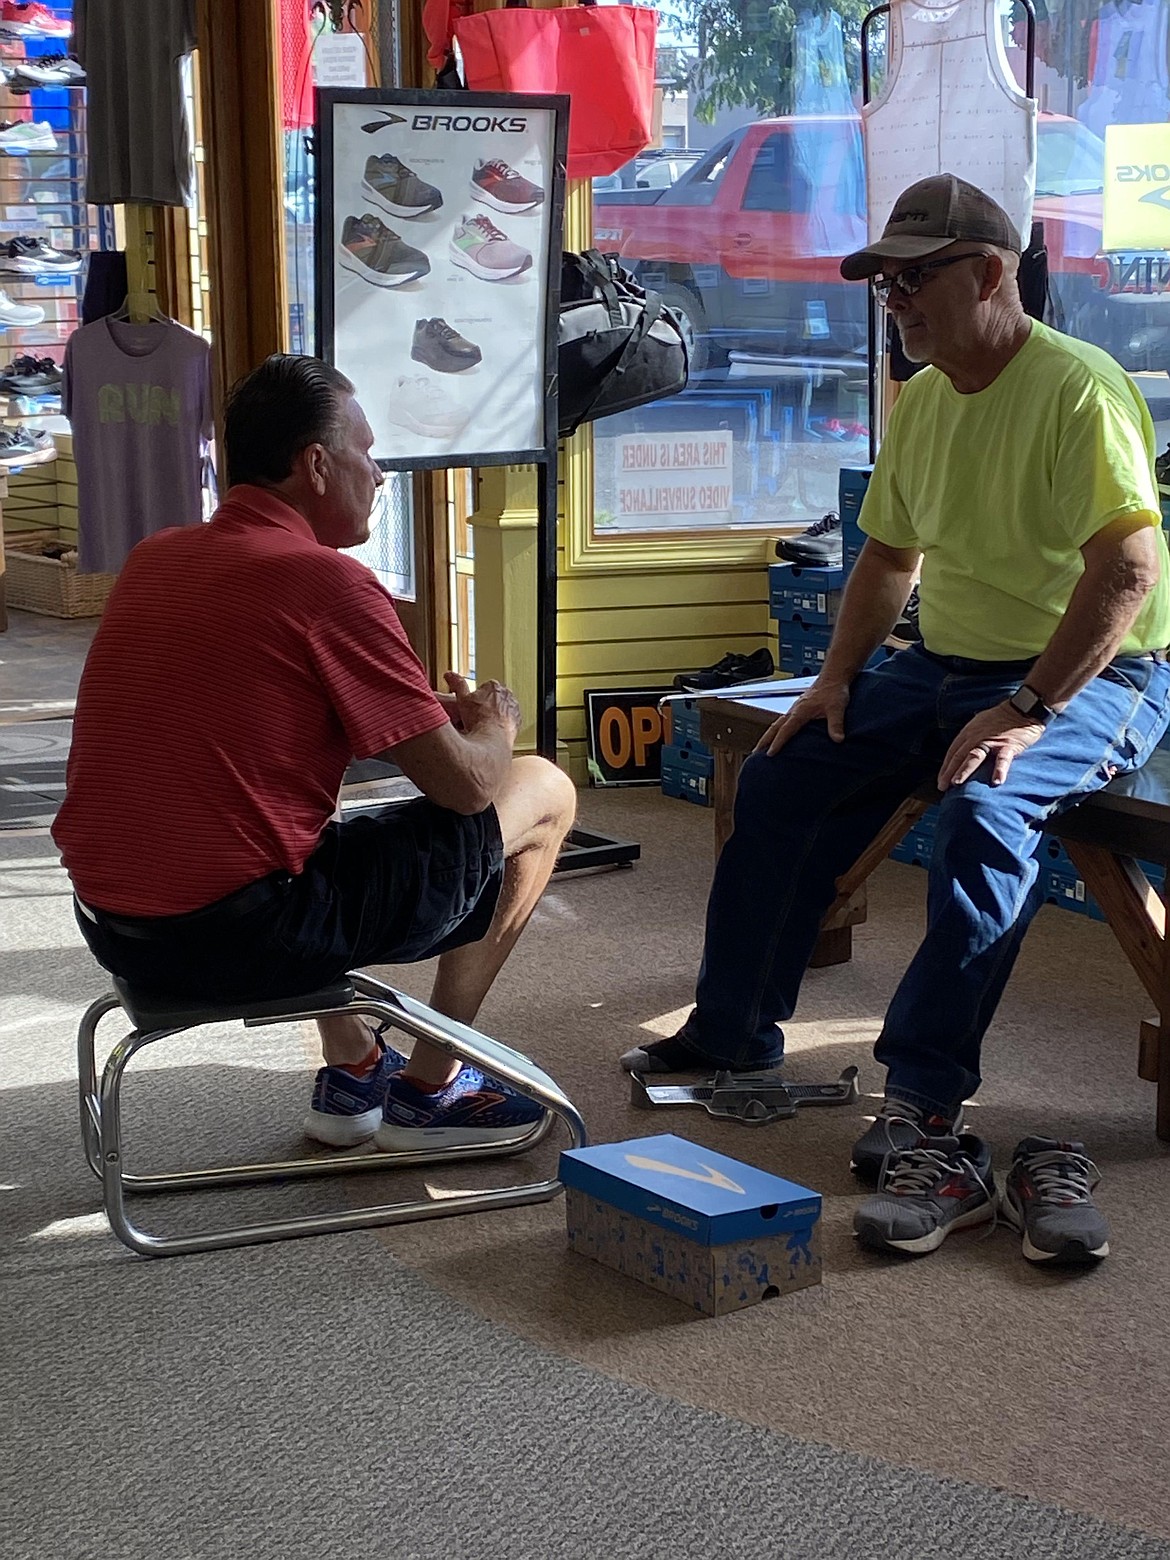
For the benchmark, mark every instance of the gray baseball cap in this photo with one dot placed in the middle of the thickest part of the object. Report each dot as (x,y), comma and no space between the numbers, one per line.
(929,216)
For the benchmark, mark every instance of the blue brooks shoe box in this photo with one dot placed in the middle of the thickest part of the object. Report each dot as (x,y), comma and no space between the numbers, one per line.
(710,1231)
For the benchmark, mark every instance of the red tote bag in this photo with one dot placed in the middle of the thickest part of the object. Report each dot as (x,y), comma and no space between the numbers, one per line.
(602,56)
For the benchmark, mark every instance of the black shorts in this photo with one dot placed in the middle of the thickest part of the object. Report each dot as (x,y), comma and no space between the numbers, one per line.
(389,886)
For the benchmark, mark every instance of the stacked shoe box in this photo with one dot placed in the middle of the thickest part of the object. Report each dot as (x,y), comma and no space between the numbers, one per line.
(917,844)
(688,765)
(1064,886)
(851,486)
(804,601)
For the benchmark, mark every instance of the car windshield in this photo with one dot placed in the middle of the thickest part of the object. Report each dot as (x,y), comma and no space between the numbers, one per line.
(1070,160)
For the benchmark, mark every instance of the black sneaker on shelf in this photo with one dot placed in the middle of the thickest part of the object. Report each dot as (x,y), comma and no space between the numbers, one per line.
(726,673)
(34,257)
(26,373)
(820,547)
(1162,469)
(906,629)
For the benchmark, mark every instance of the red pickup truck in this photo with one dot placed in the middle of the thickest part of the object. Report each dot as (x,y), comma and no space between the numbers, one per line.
(745,245)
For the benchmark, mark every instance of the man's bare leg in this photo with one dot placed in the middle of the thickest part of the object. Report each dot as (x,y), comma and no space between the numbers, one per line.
(536,810)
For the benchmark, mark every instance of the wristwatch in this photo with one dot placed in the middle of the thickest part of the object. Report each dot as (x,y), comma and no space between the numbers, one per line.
(1028,703)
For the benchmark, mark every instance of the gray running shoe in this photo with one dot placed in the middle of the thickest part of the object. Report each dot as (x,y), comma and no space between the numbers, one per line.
(898,1126)
(371,250)
(925,1192)
(1048,1197)
(479,246)
(393,186)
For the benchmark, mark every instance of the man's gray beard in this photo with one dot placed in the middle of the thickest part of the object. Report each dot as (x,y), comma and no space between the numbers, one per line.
(907,354)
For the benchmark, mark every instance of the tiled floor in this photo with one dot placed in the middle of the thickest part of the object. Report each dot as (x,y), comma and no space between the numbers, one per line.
(40,665)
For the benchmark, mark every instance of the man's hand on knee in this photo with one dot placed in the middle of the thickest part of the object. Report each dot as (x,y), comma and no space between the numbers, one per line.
(824,701)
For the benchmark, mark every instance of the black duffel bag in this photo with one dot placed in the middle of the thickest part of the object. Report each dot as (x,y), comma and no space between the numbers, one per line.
(617,345)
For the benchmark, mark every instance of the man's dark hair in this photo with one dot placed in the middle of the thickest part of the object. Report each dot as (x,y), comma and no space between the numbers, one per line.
(278,409)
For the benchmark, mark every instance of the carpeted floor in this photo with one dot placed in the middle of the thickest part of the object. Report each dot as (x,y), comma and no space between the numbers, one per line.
(469,1388)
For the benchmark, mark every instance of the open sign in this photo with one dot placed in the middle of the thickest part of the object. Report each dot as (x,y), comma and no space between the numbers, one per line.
(626,732)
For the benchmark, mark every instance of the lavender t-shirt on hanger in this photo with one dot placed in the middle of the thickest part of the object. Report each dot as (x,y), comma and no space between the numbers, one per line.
(138,399)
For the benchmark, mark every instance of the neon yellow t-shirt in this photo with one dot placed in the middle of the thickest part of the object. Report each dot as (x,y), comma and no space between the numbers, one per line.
(999,491)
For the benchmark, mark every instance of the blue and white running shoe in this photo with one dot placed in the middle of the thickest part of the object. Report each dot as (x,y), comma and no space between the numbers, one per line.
(346,1110)
(471,1110)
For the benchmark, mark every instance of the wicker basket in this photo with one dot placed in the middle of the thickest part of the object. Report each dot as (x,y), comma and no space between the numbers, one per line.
(49,586)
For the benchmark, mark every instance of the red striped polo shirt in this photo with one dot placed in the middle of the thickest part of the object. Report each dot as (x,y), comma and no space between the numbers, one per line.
(238,668)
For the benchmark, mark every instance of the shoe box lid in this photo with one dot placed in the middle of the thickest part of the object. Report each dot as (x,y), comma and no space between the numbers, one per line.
(816,576)
(691,1190)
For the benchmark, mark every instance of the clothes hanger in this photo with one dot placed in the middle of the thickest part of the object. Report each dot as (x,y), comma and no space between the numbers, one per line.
(144,317)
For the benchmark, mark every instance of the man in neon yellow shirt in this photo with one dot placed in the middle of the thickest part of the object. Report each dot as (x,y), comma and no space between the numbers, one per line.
(1018,473)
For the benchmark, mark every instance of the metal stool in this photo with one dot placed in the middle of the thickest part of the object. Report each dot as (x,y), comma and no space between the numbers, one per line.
(154,1019)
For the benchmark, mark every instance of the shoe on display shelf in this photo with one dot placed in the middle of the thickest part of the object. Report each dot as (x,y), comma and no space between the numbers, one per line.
(27,373)
(32,21)
(45,70)
(497,185)
(441,347)
(35,257)
(28,135)
(1162,469)
(473,1109)
(898,1126)
(1048,1197)
(370,249)
(393,186)
(478,246)
(13,313)
(925,1192)
(419,405)
(821,546)
(26,447)
(732,669)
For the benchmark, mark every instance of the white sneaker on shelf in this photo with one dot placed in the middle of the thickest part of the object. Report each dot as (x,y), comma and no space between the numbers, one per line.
(13,313)
(29,136)
(417,404)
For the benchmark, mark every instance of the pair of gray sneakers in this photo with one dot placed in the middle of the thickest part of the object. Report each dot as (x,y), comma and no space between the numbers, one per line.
(934,1178)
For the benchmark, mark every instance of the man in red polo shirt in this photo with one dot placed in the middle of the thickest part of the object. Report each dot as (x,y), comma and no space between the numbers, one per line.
(238,668)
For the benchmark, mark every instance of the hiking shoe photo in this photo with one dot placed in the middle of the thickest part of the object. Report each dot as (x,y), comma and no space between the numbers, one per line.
(13,313)
(820,546)
(441,347)
(346,1110)
(471,1111)
(370,249)
(34,257)
(925,1192)
(1048,1197)
(497,185)
(393,186)
(419,405)
(897,1126)
(478,246)
(730,670)
(26,447)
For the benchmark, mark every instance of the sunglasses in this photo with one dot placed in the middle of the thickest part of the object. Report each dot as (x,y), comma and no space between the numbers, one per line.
(913,278)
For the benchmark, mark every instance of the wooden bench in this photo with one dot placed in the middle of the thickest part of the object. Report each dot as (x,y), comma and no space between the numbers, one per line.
(1105,836)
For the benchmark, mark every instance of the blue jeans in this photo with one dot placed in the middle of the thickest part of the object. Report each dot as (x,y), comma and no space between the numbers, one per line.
(803,818)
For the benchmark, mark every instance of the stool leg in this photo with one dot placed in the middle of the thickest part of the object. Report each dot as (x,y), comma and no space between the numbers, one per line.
(88,1102)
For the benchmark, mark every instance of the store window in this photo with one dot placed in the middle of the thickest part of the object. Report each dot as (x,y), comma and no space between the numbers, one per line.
(365,46)
(741,217)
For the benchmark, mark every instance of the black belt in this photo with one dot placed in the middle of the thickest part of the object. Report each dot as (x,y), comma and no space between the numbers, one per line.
(965,664)
(151,927)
